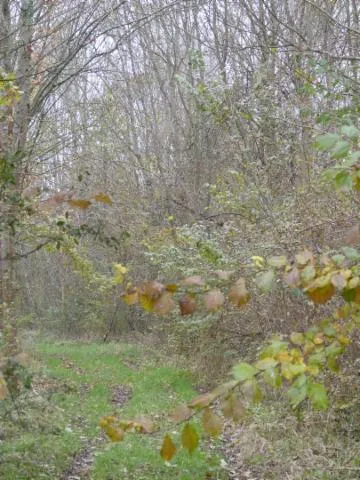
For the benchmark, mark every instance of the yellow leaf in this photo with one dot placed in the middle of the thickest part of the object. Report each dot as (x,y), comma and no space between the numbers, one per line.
(4,392)
(130,297)
(119,273)
(258,261)
(103,198)
(83,204)
(116,434)
(168,449)
(189,438)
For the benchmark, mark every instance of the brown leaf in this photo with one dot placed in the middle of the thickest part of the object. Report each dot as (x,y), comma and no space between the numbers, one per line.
(144,425)
(213,425)
(214,300)
(353,236)
(202,400)
(322,295)
(187,305)
(238,294)
(194,280)
(103,198)
(168,448)
(189,438)
(224,274)
(164,305)
(77,203)
(152,289)
(233,408)
(182,412)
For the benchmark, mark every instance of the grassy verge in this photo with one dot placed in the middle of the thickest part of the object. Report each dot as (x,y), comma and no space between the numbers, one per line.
(75,384)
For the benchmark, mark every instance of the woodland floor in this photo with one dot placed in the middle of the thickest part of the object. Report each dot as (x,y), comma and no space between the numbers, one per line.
(52,431)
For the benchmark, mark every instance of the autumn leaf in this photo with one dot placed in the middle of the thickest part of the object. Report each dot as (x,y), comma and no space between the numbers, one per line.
(144,425)
(214,300)
(322,295)
(194,280)
(224,274)
(131,296)
(189,438)
(238,294)
(168,448)
(77,203)
(182,412)
(187,305)
(103,198)
(202,400)
(233,408)
(119,273)
(153,290)
(213,425)
(164,305)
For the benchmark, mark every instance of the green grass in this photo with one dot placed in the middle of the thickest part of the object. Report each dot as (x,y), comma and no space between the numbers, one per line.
(74,384)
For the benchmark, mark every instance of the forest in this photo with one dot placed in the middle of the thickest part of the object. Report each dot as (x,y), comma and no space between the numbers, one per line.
(179,239)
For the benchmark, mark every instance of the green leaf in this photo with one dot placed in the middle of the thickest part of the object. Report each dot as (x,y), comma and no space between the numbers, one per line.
(308,273)
(266,363)
(327,141)
(265,280)
(318,396)
(350,131)
(351,254)
(341,149)
(272,377)
(244,371)
(297,338)
(343,180)
(298,391)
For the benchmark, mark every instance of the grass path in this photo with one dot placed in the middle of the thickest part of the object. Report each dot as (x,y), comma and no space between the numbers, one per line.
(74,386)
